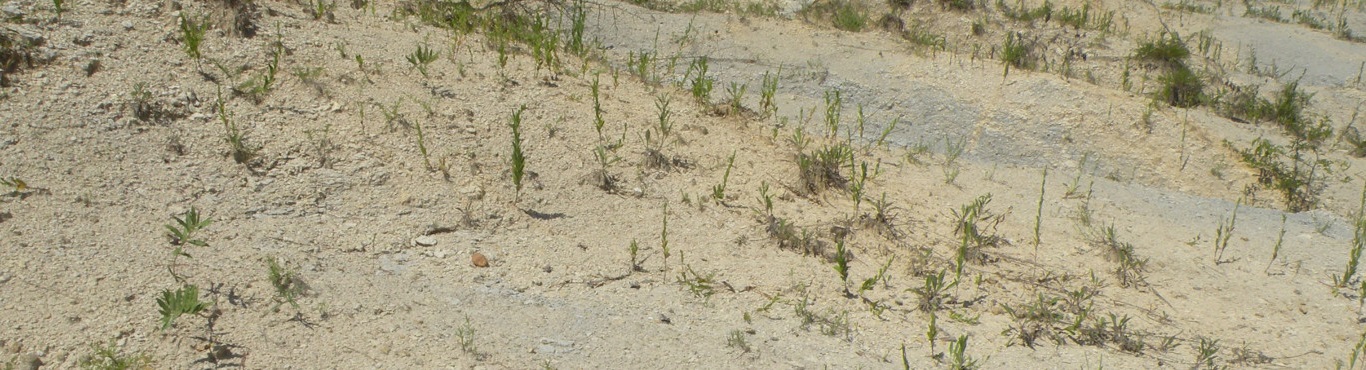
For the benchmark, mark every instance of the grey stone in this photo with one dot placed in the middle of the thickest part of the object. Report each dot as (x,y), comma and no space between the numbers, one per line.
(425,241)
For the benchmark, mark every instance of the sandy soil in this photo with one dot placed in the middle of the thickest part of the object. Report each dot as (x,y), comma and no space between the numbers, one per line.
(376,183)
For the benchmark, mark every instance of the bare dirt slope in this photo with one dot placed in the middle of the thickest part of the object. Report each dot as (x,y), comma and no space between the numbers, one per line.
(691,229)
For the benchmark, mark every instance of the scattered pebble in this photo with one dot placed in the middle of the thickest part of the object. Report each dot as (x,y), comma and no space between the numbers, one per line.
(479,260)
(127,25)
(30,362)
(425,241)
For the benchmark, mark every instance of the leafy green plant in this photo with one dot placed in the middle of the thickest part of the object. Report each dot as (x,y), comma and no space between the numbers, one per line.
(701,84)
(192,34)
(186,226)
(833,106)
(770,87)
(634,249)
(578,18)
(183,301)
(975,226)
(518,158)
(958,359)
(766,199)
(933,293)
(58,6)
(422,57)
(1207,354)
(737,94)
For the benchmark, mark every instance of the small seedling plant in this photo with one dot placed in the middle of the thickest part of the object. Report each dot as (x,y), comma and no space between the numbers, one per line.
(718,192)
(18,186)
(182,233)
(518,158)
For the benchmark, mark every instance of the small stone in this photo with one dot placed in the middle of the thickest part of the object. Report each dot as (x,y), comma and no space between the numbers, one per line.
(30,362)
(85,39)
(425,241)
(12,11)
(127,25)
(472,192)
(479,260)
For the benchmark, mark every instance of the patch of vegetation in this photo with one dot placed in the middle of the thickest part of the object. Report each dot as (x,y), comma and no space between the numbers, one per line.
(109,357)
(847,15)
(1187,6)
(1017,52)
(820,170)
(975,225)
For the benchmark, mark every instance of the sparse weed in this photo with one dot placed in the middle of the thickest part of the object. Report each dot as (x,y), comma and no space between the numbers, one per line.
(1358,244)
(1129,268)
(849,15)
(737,94)
(1207,354)
(701,84)
(736,339)
(718,192)
(769,89)
(288,286)
(1038,217)
(700,286)
(598,122)
(1016,52)
(240,151)
(975,225)
(833,106)
(958,359)
(821,170)
(1276,250)
(320,10)
(1224,233)
(842,265)
(933,293)
(16,185)
(465,334)
(634,249)
(108,357)
(766,199)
